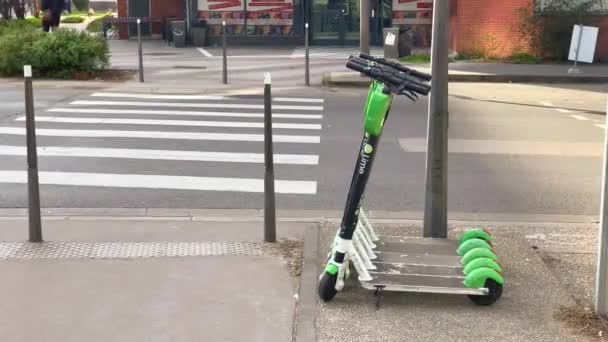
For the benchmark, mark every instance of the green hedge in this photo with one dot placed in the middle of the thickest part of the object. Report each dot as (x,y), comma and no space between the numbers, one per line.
(61,54)
(73,19)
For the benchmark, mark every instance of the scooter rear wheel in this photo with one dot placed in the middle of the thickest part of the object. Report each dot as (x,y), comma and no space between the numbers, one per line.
(495,291)
(327,287)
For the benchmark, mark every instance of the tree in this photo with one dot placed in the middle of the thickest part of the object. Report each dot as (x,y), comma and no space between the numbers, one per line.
(5,9)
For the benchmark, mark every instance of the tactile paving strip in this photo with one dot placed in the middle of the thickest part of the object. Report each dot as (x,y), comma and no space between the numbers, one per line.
(118,250)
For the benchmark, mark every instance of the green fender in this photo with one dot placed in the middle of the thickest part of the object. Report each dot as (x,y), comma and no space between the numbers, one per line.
(481,262)
(472,243)
(475,233)
(331,268)
(478,253)
(376,108)
(478,277)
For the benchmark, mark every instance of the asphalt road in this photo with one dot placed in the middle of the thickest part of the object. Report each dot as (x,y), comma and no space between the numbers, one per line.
(514,149)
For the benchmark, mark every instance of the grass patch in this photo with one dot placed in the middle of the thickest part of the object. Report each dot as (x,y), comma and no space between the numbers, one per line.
(416,59)
(72,19)
(523,58)
(465,56)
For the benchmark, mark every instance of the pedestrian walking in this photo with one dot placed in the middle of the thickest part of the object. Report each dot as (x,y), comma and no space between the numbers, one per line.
(52,13)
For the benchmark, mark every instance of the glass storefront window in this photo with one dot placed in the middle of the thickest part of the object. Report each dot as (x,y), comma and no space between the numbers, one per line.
(249,17)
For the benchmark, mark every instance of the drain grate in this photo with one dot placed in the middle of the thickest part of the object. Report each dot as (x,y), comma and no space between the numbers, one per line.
(122,250)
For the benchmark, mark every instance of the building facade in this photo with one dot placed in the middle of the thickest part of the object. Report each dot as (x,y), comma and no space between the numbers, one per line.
(474,24)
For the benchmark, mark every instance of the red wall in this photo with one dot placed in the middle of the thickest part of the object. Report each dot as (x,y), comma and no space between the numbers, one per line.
(478,27)
(158,8)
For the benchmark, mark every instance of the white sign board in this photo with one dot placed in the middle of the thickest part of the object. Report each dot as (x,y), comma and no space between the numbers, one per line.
(588,40)
(390,39)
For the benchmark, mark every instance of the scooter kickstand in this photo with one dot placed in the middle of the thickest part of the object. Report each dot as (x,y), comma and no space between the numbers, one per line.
(378,293)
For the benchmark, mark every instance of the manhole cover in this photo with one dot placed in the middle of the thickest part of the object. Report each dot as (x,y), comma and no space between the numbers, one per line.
(160,54)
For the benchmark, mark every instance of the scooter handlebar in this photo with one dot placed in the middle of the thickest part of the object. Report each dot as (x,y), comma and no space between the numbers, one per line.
(397,66)
(399,82)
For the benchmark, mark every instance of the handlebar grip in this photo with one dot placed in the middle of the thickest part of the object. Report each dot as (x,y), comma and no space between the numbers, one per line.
(397,66)
(357,67)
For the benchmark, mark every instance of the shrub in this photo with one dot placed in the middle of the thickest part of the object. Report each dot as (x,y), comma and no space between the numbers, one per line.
(523,58)
(19,24)
(61,54)
(16,48)
(72,20)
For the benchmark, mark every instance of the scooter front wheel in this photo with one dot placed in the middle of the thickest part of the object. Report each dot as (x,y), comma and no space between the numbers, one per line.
(494,294)
(327,287)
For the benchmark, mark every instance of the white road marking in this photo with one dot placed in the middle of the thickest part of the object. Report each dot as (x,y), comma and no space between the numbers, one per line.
(123,153)
(162,97)
(204,52)
(510,147)
(190,105)
(304,139)
(600,125)
(296,99)
(199,97)
(108,180)
(579,117)
(546,103)
(562,110)
(255,56)
(190,123)
(181,112)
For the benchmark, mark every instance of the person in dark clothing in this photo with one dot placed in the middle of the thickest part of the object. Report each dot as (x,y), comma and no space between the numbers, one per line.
(52,13)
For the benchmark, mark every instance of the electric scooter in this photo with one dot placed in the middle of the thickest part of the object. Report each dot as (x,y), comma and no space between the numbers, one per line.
(468,266)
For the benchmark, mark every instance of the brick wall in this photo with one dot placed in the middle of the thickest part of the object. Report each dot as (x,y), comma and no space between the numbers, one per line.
(486,26)
(166,8)
(478,27)
(123,29)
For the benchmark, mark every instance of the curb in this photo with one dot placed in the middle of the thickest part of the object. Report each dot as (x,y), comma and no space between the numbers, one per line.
(347,80)
(283,215)
(306,309)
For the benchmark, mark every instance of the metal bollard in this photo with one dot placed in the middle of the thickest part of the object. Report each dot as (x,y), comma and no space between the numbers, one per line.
(307,72)
(140,54)
(270,226)
(225,62)
(35,225)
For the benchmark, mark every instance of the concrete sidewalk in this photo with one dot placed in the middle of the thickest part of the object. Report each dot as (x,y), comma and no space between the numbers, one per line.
(164,280)
(534,293)
(492,72)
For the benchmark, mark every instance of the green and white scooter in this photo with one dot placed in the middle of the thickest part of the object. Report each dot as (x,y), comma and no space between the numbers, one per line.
(468,266)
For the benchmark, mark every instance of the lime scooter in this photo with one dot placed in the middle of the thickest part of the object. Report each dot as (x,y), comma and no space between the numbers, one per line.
(468,266)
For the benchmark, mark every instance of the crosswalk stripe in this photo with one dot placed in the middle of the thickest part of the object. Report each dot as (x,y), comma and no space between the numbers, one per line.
(181,112)
(160,182)
(296,99)
(190,105)
(161,96)
(190,123)
(304,139)
(123,153)
(198,97)
(579,117)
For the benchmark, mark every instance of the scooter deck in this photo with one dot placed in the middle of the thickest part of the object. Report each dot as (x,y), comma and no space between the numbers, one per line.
(418,265)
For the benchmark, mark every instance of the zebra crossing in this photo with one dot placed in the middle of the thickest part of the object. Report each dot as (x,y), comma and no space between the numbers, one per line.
(332,52)
(198,142)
